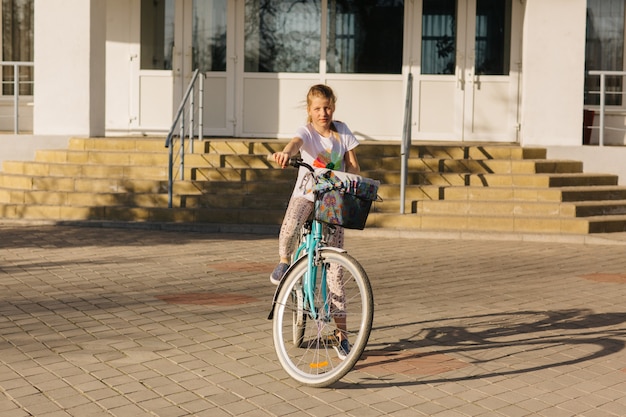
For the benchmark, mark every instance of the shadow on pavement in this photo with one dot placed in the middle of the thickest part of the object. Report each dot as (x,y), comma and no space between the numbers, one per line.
(495,345)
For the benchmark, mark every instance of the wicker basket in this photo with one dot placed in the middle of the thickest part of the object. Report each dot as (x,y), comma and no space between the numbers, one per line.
(344,199)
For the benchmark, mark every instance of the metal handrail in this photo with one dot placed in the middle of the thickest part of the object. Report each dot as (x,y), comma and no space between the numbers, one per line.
(16,89)
(603,93)
(179,121)
(406,139)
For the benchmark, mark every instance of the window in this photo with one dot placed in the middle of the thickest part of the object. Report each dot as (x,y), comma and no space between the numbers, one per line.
(209,35)
(604,48)
(493,35)
(438,36)
(157,34)
(17,44)
(365,36)
(282,36)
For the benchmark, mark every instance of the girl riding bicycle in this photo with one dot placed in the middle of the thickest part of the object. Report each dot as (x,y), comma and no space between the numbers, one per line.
(322,143)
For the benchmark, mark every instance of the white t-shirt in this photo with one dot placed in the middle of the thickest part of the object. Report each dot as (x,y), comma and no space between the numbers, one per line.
(322,152)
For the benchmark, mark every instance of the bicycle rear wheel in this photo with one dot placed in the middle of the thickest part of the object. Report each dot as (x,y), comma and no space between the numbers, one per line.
(309,354)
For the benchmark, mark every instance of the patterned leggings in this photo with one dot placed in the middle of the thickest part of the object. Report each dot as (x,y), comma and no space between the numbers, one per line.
(298,211)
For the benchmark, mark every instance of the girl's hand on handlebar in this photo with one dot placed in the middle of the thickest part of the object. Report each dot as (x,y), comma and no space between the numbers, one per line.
(281,158)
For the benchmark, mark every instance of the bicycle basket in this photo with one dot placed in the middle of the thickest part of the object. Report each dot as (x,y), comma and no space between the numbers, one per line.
(344,199)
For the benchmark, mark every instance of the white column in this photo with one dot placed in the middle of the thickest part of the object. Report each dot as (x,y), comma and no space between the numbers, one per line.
(553,71)
(69,61)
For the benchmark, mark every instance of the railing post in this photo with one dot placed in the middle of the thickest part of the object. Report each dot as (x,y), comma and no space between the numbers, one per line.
(170,170)
(182,148)
(602,107)
(16,98)
(191,108)
(406,140)
(169,142)
(201,109)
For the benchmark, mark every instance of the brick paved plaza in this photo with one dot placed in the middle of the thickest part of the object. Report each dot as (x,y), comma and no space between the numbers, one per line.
(102,321)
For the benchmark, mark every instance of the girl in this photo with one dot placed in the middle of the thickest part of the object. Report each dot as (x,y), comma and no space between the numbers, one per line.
(322,143)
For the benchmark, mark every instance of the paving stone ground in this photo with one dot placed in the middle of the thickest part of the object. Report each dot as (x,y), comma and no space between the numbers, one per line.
(130,322)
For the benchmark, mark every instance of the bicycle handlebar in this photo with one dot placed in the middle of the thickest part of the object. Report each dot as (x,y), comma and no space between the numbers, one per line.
(298,162)
(294,161)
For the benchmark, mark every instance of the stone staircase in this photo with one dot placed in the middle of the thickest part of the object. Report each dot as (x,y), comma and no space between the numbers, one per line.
(451,187)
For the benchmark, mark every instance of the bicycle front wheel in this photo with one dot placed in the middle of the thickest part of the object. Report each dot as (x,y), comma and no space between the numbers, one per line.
(342,308)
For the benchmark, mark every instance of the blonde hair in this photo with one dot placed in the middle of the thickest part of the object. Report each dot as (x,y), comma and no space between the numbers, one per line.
(319,90)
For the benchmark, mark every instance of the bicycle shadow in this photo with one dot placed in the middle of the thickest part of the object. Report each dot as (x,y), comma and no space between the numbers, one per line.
(492,345)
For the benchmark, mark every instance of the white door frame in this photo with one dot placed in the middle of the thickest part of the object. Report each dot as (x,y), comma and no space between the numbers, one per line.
(219,86)
(463,106)
(156,94)
(491,102)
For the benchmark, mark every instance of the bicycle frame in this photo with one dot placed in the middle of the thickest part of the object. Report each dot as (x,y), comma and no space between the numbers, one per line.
(312,245)
(313,241)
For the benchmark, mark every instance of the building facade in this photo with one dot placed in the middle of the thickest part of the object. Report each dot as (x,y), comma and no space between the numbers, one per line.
(477,70)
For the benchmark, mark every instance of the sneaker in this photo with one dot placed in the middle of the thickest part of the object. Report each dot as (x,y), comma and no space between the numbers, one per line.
(278,273)
(343,350)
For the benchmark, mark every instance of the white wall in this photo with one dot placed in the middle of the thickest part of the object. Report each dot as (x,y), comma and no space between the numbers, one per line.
(23,147)
(598,160)
(553,68)
(69,67)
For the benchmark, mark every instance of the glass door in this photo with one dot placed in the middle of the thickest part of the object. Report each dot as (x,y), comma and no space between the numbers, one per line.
(153,65)
(212,53)
(490,94)
(468,84)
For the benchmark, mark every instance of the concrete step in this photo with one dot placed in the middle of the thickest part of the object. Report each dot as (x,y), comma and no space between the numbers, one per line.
(288,174)
(584,193)
(26,182)
(607,224)
(239,201)
(261,147)
(541,180)
(157,144)
(125,158)
(68,198)
(39,169)
(522,208)
(243,174)
(412,192)
(486,166)
(381,149)
(599,208)
(105,157)
(503,224)
(55,169)
(139,144)
(475,151)
(493,223)
(417,178)
(142,214)
(594,193)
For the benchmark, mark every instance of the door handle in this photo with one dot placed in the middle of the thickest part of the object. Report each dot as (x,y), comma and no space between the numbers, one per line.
(460,82)
(476,81)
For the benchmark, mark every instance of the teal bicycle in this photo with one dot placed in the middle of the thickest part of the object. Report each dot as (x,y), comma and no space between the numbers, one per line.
(323,308)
